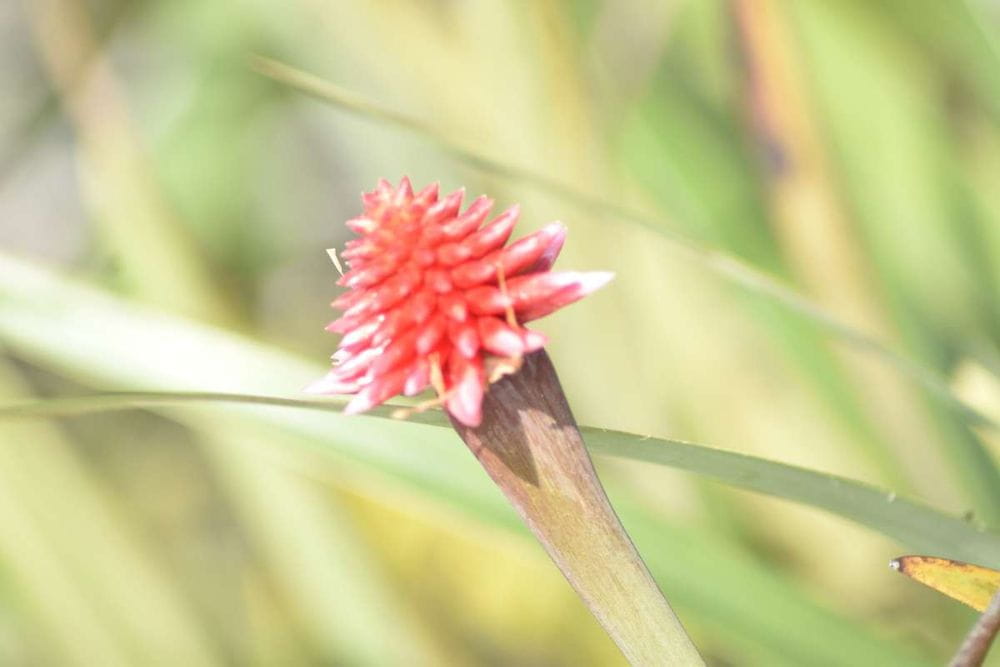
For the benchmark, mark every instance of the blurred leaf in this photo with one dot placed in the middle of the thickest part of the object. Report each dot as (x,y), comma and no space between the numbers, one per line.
(717,189)
(722,263)
(84,575)
(896,162)
(156,256)
(960,34)
(530,446)
(970,584)
(118,344)
(906,521)
(693,160)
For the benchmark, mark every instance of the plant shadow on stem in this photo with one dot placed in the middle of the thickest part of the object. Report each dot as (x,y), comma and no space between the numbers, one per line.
(530,445)
(525,415)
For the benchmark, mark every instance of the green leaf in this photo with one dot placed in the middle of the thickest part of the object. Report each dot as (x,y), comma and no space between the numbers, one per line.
(968,583)
(904,189)
(98,339)
(530,446)
(724,264)
(908,522)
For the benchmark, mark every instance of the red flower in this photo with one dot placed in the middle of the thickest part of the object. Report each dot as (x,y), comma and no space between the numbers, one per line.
(435,299)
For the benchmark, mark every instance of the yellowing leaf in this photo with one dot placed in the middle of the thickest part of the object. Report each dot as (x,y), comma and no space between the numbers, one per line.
(973,585)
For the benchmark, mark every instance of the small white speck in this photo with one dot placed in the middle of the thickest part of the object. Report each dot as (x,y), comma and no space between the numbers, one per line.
(332,252)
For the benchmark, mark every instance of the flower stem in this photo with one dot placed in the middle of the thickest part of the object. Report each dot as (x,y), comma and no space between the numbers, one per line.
(977,643)
(530,446)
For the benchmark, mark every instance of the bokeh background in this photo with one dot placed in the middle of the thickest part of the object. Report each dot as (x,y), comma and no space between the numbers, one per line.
(164,214)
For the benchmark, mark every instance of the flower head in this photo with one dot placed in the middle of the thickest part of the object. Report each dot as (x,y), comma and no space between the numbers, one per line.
(437,299)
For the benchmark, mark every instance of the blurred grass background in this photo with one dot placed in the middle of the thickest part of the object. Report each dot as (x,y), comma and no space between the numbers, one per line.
(179,198)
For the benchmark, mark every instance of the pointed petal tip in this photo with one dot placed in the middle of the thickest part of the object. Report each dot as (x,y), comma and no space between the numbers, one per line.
(360,403)
(556,227)
(509,217)
(466,414)
(429,194)
(315,387)
(580,283)
(326,385)
(480,203)
(555,233)
(465,403)
(446,206)
(591,281)
(404,192)
(534,340)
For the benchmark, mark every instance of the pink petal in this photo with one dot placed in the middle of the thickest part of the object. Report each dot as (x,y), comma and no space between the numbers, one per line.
(553,235)
(533,340)
(358,363)
(499,338)
(488,300)
(466,401)
(493,235)
(430,334)
(418,379)
(469,221)
(390,325)
(388,294)
(534,253)
(371,273)
(359,336)
(426,197)
(331,384)
(378,391)
(404,193)
(361,225)
(444,209)
(420,306)
(399,352)
(451,254)
(437,280)
(473,273)
(465,337)
(453,306)
(539,294)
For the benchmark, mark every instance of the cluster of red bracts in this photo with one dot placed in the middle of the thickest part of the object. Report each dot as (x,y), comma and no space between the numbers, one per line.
(434,296)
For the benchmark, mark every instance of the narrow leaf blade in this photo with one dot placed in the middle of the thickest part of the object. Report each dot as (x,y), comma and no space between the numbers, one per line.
(970,584)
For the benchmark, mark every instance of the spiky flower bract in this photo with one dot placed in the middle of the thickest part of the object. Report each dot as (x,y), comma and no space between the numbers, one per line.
(437,299)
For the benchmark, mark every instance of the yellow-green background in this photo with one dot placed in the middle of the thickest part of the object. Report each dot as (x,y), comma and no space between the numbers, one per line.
(164,215)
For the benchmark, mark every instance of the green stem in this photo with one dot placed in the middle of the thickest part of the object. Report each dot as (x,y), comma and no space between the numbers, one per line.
(977,643)
(531,447)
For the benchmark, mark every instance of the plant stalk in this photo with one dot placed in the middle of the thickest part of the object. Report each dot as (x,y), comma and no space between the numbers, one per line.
(977,643)
(531,447)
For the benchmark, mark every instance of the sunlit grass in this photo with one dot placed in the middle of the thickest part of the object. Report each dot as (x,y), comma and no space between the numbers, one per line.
(191,199)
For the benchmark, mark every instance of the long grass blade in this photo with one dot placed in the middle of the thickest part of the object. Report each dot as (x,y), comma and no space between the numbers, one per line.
(910,523)
(112,346)
(722,263)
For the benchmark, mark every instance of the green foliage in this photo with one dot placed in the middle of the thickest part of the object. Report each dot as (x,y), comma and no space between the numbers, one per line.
(193,199)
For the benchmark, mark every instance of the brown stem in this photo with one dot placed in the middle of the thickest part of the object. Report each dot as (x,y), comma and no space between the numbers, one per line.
(530,445)
(977,643)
